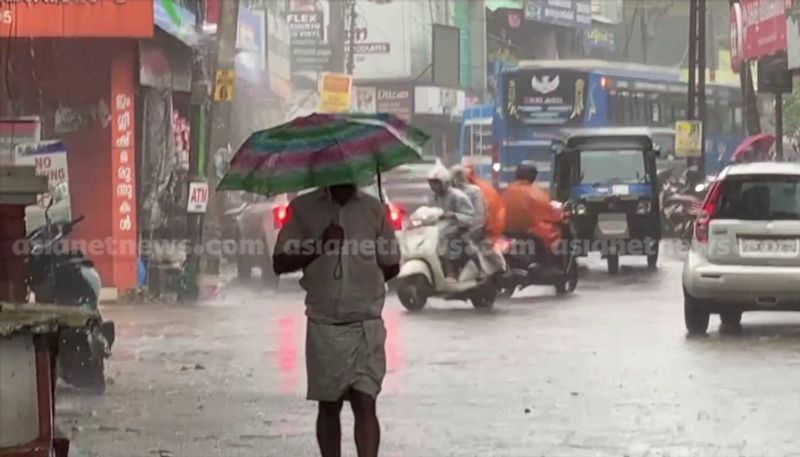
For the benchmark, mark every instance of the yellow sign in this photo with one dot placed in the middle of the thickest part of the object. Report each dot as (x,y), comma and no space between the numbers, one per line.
(688,139)
(335,92)
(223,88)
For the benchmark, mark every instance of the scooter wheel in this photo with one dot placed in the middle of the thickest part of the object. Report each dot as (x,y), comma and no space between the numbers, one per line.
(411,293)
(484,299)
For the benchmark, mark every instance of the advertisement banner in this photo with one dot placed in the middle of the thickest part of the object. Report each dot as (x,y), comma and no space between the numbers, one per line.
(40,19)
(392,98)
(123,155)
(334,93)
(543,97)
(793,37)
(599,39)
(688,139)
(607,11)
(309,50)
(279,64)
(763,27)
(382,40)
(567,13)
(251,42)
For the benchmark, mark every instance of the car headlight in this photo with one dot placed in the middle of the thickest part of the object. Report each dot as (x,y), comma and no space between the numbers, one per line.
(643,207)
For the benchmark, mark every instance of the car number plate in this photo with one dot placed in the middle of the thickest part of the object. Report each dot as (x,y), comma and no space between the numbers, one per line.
(769,247)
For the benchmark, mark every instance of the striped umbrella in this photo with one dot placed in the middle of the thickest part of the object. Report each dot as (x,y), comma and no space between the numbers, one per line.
(322,150)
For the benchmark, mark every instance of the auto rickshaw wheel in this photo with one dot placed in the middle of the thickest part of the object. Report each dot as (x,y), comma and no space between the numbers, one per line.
(613,263)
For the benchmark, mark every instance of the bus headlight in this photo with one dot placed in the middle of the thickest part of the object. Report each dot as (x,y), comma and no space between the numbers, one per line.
(496,167)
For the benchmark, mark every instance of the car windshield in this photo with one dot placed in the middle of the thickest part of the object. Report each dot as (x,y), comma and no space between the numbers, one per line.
(761,198)
(613,167)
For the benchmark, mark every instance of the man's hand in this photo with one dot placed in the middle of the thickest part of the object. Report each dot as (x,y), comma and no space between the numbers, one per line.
(332,237)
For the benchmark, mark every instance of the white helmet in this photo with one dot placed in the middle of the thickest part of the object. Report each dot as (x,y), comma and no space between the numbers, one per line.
(440,173)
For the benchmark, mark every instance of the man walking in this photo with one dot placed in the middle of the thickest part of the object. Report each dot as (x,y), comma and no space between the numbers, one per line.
(342,240)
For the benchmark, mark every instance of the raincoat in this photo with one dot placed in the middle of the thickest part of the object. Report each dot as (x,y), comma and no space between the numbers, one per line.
(495,207)
(528,209)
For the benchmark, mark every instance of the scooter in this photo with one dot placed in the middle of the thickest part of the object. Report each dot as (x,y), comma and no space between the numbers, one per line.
(66,277)
(421,276)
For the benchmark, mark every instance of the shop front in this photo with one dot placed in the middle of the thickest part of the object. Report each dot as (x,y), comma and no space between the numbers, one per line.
(73,67)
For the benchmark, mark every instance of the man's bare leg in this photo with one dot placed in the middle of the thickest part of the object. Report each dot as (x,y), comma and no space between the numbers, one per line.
(329,428)
(367,429)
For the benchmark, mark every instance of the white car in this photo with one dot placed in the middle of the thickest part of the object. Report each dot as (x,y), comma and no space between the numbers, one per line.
(745,252)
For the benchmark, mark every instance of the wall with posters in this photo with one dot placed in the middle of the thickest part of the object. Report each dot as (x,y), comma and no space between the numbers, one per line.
(84,79)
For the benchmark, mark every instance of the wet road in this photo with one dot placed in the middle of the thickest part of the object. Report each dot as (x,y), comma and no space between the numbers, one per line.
(605,372)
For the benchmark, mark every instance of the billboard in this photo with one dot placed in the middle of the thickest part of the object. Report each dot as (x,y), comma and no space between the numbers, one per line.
(763,27)
(446,63)
(382,40)
(567,13)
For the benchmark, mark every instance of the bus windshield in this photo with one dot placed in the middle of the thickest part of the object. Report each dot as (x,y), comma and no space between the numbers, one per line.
(613,167)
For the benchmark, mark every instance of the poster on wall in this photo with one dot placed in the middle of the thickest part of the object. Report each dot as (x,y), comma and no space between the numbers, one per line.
(335,93)
(382,40)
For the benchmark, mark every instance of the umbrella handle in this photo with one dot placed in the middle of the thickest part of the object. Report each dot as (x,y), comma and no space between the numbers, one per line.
(380,184)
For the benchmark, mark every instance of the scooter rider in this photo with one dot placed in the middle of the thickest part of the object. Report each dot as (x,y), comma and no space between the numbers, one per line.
(461,182)
(528,210)
(458,210)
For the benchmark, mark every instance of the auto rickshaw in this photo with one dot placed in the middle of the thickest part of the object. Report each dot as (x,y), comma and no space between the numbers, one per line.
(606,178)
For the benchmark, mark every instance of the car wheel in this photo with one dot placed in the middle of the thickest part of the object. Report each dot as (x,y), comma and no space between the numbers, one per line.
(731,318)
(613,263)
(244,267)
(695,315)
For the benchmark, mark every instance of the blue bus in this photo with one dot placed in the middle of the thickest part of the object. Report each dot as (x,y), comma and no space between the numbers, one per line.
(536,101)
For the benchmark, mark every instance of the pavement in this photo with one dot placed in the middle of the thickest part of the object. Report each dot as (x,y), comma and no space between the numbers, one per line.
(607,371)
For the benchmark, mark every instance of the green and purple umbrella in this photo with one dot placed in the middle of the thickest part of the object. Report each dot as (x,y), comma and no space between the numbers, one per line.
(322,150)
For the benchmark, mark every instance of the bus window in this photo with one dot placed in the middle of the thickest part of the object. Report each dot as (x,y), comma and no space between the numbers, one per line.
(655,110)
(737,119)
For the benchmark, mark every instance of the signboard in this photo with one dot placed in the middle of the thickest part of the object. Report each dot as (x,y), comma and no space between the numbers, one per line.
(198,197)
(122,19)
(599,38)
(688,139)
(607,11)
(568,13)
(542,97)
(223,87)
(793,37)
(123,156)
(439,101)
(334,93)
(251,42)
(279,64)
(17,131)
(50,160)
(382,41)
(773,75)
(737,34)
(764,27)
(393,98)
(309,50)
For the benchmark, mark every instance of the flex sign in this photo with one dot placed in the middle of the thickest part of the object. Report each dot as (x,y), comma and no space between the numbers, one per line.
(763,27)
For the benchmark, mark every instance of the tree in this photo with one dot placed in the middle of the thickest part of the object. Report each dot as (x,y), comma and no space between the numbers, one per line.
(791,113)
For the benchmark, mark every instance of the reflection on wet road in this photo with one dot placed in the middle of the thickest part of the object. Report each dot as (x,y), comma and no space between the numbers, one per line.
(605,372)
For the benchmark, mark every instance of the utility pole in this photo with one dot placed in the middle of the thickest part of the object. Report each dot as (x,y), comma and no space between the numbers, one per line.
(337,35)
(696,103)
(351,41)
(220,120)
(779,127)
(643,30)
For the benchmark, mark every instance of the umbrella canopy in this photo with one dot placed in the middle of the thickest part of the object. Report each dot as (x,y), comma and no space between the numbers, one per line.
(322,150)
(759,143)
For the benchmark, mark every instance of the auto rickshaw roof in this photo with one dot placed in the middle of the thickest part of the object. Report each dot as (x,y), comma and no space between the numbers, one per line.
(608,138)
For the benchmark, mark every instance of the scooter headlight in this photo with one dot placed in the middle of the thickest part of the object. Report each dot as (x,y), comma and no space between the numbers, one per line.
(643,207)
(580,209)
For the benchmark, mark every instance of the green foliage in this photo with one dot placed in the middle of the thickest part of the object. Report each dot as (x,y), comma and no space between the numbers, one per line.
(791,112)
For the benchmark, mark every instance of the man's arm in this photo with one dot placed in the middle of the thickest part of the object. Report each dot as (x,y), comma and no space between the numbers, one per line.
(289,254)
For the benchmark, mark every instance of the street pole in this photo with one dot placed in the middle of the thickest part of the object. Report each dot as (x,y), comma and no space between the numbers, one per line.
(701,87)
(337,35)
(779,127)
(220,120)
(643,29)
(691,93)
(351,41)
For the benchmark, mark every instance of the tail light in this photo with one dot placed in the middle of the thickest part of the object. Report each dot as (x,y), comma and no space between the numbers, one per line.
(280,215)
(707,213)
(396,215)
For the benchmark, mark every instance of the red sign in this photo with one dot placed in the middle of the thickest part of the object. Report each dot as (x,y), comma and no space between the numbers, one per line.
(736,37)
(77,18)
(764,27)
(123,134)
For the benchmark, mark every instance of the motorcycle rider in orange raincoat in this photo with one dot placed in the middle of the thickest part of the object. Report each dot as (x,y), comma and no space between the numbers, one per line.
(495,208)
(528,210)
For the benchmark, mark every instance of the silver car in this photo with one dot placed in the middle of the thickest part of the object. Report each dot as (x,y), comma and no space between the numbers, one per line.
(745,252)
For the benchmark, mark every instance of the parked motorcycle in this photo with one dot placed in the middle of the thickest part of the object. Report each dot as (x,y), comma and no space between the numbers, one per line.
(66,277)
(421,275)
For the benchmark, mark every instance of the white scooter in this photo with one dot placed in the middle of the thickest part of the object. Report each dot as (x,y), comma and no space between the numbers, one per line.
(421,275)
